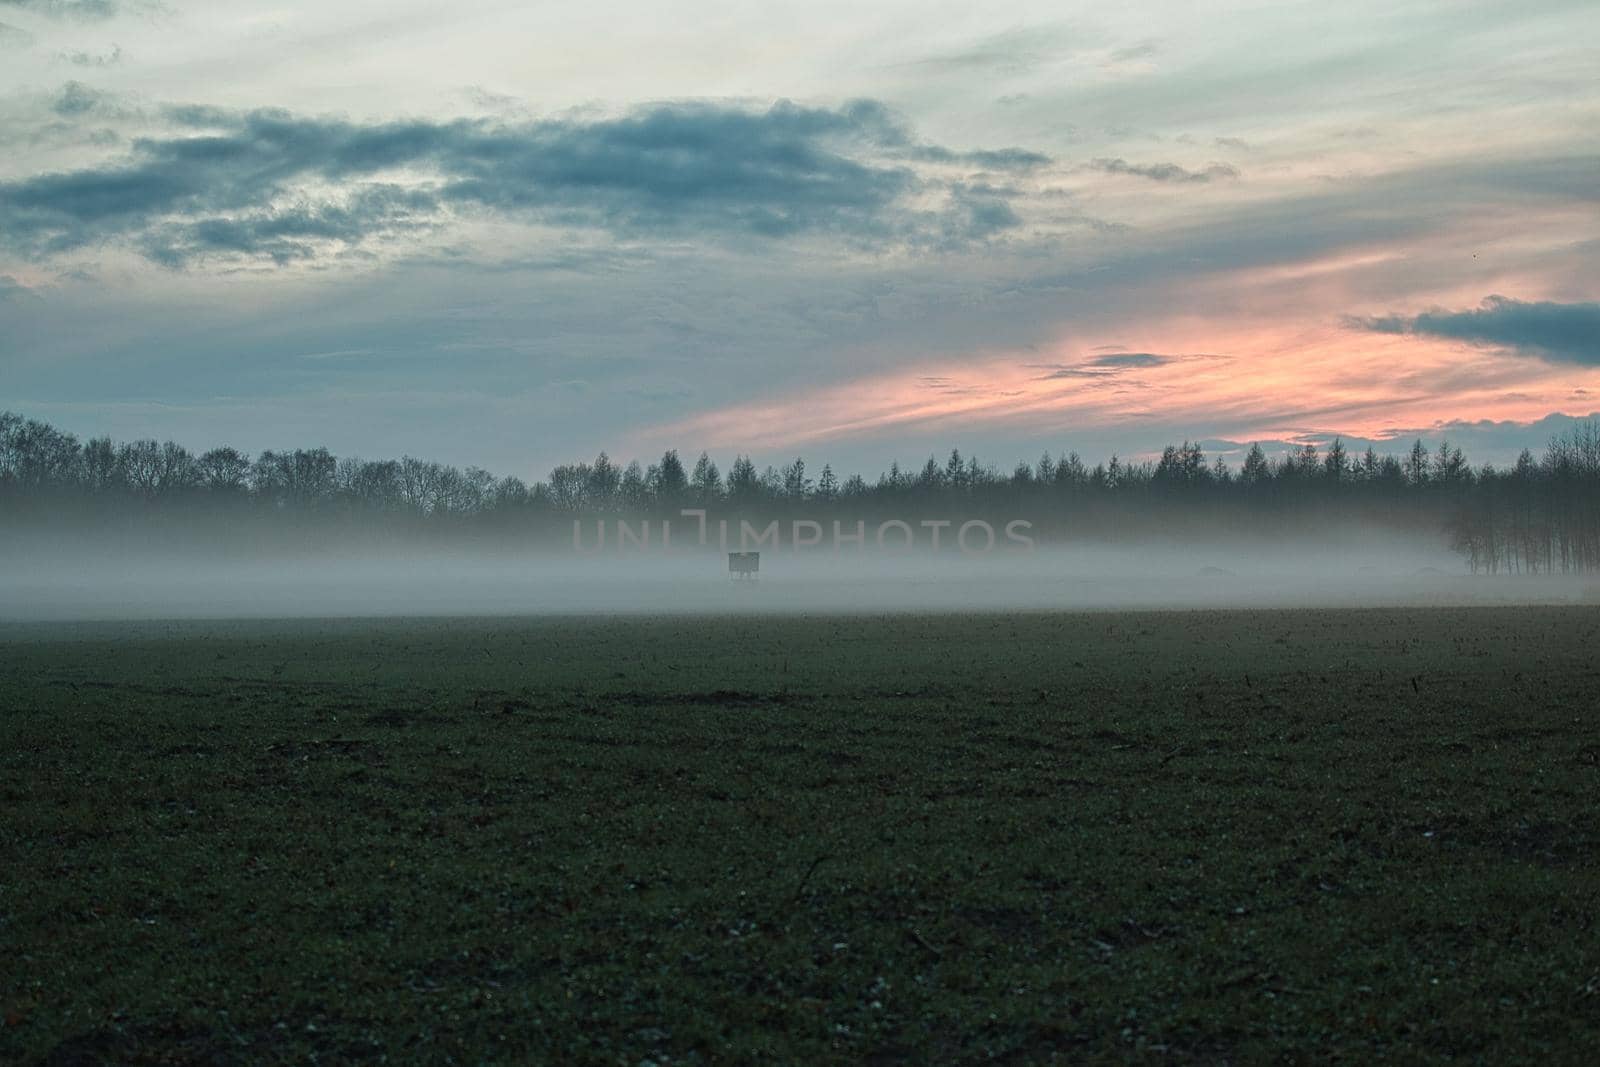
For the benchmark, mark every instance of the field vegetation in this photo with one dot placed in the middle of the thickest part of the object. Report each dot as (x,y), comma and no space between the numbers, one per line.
(1197,836)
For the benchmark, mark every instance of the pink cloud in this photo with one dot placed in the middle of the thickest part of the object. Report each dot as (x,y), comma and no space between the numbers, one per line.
(1264,379)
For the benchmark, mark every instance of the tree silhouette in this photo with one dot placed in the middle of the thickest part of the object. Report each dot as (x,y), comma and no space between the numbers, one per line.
(1540,515)
(705,483)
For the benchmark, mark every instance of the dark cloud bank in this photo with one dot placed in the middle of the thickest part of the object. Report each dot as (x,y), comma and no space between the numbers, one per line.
(1560,333)
(277,185)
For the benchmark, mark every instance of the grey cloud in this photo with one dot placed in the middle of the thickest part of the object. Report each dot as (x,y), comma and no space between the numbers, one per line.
(94,59)
(1560,333)
(1165,172)
(1484,435)
(293,234)
(76,98)
(87,10)
(1483,440)
(681,168)
(13,37)
(881,127)
(976,216)
(1109,367)
(1133,359)
(1000,159)
(1072,372)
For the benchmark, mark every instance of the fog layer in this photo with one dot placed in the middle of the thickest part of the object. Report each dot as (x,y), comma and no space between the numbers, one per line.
(39,581)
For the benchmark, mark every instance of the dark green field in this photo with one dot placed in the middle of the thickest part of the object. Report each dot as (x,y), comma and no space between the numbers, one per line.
(1208,836)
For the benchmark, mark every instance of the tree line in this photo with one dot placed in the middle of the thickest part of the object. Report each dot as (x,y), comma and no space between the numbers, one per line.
(1540,515)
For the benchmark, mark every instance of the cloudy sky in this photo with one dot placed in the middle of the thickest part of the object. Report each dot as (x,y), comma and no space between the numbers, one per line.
(515,233)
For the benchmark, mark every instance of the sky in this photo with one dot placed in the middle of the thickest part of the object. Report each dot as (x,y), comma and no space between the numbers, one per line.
(515,234)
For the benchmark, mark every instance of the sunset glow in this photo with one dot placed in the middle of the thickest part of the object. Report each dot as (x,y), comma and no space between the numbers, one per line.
(865,234)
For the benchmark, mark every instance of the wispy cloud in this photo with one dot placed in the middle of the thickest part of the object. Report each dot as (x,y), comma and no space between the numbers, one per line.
(1165,172)
(1011,52)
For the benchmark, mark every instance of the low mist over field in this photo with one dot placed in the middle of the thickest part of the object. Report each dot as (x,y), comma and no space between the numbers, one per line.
(1354,571)
(141,529)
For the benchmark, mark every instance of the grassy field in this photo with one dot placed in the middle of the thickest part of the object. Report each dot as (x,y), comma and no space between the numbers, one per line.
(1207,836)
